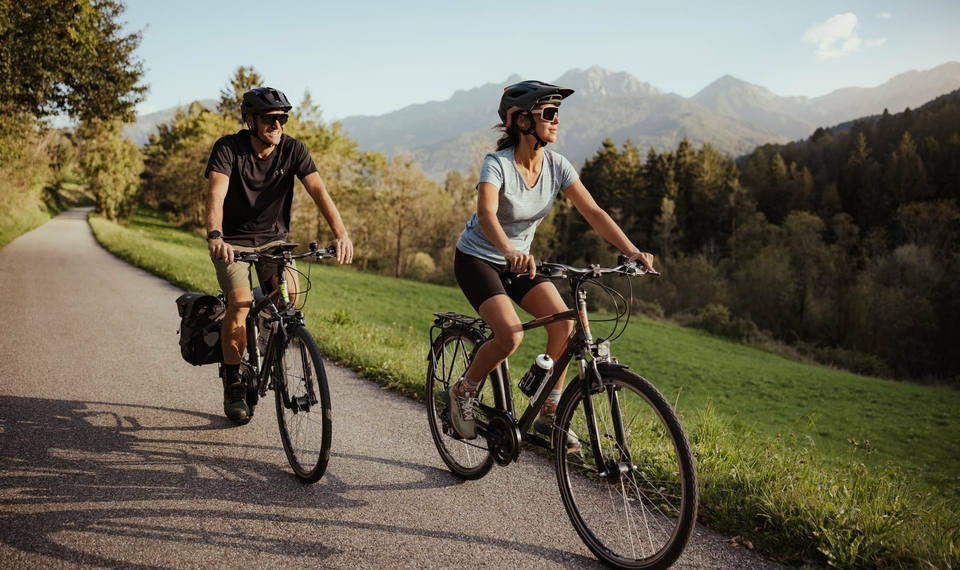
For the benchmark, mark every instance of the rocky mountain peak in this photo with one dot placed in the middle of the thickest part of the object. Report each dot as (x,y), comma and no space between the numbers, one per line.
(597,83)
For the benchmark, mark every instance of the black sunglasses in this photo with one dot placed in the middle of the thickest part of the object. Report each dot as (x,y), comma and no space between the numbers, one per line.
(548,114)
(272,118)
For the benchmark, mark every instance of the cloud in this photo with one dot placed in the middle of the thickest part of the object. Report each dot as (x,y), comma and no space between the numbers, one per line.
(837,36)
(884,15)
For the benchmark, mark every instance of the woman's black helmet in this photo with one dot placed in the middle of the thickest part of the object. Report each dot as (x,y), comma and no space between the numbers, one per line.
(263,99)
(526,95)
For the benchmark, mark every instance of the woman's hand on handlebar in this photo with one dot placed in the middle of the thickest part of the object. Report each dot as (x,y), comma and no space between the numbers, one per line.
(220,249)
(645,259)
(521,263)
(344,249)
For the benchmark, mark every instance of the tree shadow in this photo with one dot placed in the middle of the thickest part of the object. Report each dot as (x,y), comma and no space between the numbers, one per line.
(98,471)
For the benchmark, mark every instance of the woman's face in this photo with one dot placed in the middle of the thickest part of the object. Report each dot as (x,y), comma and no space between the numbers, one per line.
(547,130)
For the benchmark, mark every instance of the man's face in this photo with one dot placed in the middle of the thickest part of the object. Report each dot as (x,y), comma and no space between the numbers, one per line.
(269,125)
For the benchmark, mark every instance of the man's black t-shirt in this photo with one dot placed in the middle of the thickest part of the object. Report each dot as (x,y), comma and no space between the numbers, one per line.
(257,207)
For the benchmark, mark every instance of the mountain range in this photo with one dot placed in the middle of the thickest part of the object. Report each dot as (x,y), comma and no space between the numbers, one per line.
(731,114)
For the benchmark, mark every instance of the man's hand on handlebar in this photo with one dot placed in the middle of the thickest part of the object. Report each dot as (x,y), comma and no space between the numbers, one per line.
(344,249)
(220,249)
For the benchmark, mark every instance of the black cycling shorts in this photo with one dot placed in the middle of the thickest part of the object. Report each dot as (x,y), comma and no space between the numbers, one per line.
(480,279)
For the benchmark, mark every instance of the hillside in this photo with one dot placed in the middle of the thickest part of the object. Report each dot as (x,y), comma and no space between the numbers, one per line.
(798,117)
(660,121)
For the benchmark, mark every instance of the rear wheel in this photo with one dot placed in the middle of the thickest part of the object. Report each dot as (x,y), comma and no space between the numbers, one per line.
(449,358)
(303,405)
(639,509)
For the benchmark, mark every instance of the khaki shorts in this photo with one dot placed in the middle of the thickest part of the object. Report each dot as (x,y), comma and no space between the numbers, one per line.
(236,275)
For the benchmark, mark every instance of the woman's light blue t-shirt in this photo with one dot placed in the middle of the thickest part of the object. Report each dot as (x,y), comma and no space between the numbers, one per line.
(521,208)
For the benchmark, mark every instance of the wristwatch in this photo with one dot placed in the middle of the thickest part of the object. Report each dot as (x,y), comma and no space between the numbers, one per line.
(214,235)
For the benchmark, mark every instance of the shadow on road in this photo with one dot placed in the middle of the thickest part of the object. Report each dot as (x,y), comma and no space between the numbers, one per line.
(96,483)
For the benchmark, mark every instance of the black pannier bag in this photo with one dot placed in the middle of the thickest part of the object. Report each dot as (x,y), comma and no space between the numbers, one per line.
(200,317)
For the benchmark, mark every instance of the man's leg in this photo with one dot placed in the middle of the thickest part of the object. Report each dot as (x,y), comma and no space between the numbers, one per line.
(233,335)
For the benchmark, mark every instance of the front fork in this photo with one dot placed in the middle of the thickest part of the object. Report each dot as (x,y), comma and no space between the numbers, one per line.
(591,382)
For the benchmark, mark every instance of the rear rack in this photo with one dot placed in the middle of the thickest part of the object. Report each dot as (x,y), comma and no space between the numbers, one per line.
(444,320)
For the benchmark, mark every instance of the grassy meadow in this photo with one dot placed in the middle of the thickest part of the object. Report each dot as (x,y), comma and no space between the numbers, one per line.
(814,465)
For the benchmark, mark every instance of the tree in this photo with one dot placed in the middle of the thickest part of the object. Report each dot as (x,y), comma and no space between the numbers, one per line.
(245,79)
(906,173)
(803,236)
(70,57)
(400,213)
(931,224)
(175,161)
(615,181)
(111,165)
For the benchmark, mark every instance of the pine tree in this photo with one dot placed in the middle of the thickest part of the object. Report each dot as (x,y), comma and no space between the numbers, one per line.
(245,79)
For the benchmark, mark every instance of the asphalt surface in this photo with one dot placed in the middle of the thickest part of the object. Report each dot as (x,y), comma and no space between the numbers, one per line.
(115,453)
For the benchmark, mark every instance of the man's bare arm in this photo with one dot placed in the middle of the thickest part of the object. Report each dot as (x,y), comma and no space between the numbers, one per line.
(314,186)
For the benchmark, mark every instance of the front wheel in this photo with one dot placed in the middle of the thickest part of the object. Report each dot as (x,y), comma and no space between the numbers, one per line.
(638,510)
(303,405)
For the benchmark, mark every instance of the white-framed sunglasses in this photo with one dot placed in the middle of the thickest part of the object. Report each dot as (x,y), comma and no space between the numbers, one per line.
(548,114)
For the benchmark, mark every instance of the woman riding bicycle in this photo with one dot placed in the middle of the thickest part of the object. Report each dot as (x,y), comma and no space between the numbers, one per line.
(518,185)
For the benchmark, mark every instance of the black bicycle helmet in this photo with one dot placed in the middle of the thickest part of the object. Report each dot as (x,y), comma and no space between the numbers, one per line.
(526,95)
(263,99)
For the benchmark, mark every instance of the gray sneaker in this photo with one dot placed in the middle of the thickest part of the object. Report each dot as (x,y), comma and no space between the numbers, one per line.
(234,405)
(544,427)
(460,406)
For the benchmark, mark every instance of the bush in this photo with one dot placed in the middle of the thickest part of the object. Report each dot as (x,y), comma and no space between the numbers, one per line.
(717,320)
(852,360)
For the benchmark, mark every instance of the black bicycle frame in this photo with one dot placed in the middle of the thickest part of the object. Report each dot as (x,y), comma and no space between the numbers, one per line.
(276,315)
(576,345)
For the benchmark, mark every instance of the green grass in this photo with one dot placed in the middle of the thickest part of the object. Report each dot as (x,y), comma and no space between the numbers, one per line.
(19,216)
(15,224)
(807,495)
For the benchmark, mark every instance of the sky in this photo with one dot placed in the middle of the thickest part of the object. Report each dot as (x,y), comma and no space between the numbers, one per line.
(370,57)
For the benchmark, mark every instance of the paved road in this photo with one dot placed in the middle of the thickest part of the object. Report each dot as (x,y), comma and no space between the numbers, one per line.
(115,453)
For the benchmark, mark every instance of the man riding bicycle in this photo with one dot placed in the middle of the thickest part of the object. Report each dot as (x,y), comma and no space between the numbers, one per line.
(250,194)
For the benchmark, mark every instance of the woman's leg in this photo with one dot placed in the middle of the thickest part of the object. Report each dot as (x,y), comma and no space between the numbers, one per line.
(502,318)
(499,314)
(544,300)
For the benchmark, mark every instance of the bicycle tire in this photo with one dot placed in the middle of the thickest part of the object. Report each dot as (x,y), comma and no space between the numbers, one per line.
(303,405)
(642,516)
(449,358)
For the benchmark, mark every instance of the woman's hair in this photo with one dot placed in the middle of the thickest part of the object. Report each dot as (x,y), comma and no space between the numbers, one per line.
(509,136)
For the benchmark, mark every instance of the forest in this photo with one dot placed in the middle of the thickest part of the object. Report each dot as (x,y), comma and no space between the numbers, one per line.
(844,245)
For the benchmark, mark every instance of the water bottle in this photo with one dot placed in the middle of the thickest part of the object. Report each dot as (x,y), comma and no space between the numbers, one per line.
(531,381)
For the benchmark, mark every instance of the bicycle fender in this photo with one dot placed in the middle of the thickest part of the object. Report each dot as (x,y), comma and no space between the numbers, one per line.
(601,366)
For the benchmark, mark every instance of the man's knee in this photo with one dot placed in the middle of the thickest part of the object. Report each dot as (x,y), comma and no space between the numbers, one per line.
(239,302)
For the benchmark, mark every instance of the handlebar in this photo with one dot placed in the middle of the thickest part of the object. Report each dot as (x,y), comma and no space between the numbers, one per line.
(317,253)
(562,271)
